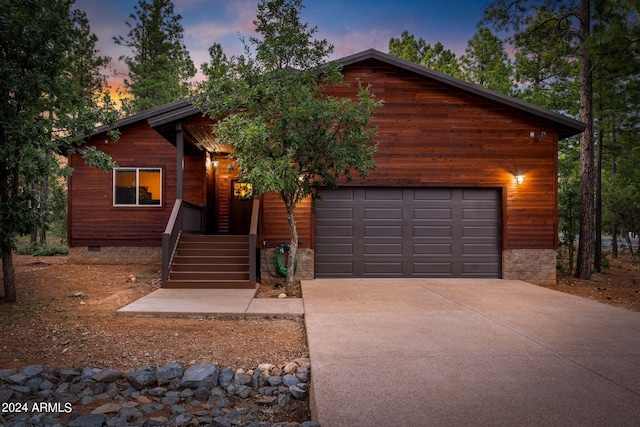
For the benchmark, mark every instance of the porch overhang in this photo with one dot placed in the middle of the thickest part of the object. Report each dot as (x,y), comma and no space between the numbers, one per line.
(197,132)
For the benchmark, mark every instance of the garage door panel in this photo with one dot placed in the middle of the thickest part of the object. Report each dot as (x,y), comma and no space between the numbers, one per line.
(479,270)
(382,269)
(333,248)
(386,249)
(432,269)
(433,249)
(430,213)
(380,194)
(383,213)
(329,232)
(479,214)
(383,231)
(431,231)
(431,194)
(395,232)
(478,249)
(334,214)
(477,194)
(334,269)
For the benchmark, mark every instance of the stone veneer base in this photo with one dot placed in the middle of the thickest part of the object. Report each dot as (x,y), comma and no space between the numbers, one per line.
(537,266)
(305,263)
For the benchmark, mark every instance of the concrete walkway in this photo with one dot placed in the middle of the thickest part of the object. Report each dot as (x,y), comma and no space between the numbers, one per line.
(212,303)
(468,352)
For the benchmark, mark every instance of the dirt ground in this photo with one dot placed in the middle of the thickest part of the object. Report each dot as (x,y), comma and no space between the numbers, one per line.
(618,285)
(66,317)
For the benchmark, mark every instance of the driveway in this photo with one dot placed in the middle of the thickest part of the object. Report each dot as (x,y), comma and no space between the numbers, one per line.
(468,352)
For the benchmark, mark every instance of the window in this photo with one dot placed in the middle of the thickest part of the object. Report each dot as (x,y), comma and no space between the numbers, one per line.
(137,187)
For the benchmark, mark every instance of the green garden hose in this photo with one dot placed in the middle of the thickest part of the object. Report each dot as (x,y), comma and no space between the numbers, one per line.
(284,247)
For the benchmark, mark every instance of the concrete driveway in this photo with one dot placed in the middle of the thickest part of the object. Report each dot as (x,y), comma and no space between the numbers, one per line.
(468,352)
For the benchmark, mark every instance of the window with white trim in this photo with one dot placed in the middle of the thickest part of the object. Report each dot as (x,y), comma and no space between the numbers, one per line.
(137,187)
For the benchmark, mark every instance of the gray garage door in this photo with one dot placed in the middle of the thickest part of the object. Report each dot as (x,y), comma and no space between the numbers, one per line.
(408,232)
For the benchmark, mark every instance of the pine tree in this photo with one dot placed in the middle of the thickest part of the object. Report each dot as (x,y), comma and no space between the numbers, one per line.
(435,57)
(44,111)
(160,66)
(486,62)
(568,20)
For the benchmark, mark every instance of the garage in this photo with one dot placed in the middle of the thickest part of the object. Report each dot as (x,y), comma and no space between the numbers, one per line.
(408,232)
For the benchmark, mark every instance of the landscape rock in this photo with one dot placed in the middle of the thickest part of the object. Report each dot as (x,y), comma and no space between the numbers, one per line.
(290,368)
(195,375)
(154,396)
(298,392)
(107,375)
(290,380)
(32,371)
(169,371)
(226,377)
(93,420)
(144,376)
(17,379)
(5,395)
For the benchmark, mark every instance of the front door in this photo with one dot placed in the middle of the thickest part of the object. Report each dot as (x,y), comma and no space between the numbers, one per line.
(241,204)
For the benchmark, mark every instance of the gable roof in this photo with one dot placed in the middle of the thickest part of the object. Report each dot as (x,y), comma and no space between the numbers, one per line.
(164,115)
(566,125)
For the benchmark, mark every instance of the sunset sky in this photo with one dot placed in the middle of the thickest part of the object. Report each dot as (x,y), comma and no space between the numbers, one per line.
(351,26)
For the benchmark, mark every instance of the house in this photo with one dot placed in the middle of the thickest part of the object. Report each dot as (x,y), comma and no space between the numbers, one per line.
(465,186)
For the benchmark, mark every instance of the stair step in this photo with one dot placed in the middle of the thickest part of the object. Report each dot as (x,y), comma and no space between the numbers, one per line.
(201,267)
(210,260)
(209,275)
(213,245)
(208,284)
(212,238)
(212,252)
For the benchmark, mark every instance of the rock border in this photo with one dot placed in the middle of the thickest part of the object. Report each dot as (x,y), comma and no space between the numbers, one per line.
(168,395)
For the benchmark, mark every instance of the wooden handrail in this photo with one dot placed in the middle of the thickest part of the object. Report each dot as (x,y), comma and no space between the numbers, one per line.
(170,238)
(253,236)
(185,216)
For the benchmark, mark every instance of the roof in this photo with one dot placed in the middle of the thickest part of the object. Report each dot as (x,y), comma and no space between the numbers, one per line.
(160,117)
(148,115)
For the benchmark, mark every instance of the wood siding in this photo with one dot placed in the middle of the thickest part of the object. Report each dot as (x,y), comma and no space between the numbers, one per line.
(429,134)
(433,135)
(94,221)
(274,227)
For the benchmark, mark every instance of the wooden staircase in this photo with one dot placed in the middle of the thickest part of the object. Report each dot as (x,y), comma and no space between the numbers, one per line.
(210,262)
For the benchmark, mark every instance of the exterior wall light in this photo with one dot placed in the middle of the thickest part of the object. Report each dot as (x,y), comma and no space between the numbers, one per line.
(520,178)
(212,160)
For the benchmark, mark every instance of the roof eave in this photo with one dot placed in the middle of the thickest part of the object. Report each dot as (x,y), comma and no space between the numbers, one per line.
(147,115)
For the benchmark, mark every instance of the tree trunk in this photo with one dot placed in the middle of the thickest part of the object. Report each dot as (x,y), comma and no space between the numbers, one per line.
(44,196)
(614,220)
(291,260)
(627,237)
(8,275)
(571,251)
(597,255)
(587,172)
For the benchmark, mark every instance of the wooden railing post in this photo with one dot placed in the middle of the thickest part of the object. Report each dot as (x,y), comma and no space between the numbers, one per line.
(253,236)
